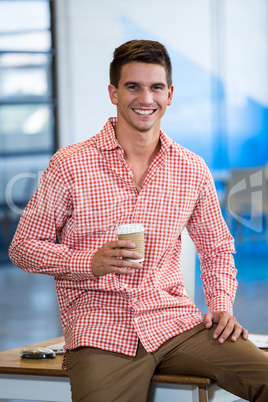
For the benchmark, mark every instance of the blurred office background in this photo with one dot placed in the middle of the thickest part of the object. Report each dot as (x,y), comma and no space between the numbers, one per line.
(54,61)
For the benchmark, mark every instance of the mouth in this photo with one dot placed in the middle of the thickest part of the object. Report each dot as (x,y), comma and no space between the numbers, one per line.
(144,112)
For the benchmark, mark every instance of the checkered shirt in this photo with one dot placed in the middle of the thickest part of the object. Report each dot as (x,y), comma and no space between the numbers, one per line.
(85,193)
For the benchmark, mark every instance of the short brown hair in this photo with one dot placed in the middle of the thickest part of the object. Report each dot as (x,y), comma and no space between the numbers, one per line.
(143,51)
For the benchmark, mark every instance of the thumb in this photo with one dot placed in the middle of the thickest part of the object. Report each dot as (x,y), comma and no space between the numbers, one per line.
(208,320)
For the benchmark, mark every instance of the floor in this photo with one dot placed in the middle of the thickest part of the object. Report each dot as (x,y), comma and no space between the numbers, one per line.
(29,309)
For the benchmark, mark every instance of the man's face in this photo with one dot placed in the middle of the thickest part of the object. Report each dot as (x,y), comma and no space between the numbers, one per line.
(142,96)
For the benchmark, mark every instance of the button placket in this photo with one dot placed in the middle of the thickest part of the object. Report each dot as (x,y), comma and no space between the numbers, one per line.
(129,174)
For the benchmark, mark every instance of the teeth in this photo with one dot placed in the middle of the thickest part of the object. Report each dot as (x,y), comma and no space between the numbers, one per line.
(144,112)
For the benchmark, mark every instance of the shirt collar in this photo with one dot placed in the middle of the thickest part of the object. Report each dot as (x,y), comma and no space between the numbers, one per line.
(166,142)
(106,139)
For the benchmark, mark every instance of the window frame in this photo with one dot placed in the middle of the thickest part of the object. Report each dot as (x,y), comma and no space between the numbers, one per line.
(51,101)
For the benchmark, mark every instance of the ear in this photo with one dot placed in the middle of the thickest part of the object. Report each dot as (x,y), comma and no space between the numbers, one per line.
(170,95)
(113,94)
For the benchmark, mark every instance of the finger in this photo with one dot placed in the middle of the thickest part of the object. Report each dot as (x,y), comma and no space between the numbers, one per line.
(238,330)
(125,263)
(123,253)
(116,266)
(208,320)
(220,327)
(121,244)
(123,271)
(229,328)
(243,333)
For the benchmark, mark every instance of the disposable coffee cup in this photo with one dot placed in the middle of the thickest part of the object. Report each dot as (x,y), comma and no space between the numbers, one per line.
(133,232)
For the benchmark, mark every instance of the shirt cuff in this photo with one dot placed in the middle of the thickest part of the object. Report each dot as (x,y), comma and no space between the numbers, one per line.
(221,303)
(80,265)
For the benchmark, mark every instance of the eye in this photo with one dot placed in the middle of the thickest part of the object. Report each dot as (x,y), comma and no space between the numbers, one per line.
(132,87)
(157,87)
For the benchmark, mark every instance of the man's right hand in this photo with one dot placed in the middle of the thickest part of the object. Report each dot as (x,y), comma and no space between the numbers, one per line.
(107,259)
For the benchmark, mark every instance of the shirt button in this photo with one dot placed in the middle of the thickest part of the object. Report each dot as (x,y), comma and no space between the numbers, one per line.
(136,319)
(135,300)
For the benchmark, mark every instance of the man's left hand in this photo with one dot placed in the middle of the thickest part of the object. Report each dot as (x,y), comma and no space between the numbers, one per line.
(227,326)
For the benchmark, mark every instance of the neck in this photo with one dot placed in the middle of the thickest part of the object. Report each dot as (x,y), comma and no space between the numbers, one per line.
(140,148)
(138,144)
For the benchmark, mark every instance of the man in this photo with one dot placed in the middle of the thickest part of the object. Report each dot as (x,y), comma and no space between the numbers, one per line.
(124,320)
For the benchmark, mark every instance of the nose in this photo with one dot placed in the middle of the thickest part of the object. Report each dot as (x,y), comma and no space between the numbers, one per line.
(145,97)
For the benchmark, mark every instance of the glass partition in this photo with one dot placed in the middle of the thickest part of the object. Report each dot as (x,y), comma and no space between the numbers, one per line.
(27,107)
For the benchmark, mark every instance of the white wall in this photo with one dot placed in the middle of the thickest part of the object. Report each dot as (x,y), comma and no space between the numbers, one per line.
(225,37)
(87,33)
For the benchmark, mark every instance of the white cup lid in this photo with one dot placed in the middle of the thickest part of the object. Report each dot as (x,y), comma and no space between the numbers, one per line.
(129,228)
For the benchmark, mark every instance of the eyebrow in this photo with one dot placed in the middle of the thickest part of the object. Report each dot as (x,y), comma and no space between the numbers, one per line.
(131,83)
(158,84)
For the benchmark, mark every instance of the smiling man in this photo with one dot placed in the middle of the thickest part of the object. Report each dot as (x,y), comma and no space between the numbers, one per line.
(141,96)
(124,320)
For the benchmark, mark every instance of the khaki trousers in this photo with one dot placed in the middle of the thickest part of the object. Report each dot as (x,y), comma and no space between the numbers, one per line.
(101,376)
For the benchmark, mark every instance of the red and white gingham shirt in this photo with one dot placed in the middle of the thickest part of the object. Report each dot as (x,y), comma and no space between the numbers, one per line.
(85,193)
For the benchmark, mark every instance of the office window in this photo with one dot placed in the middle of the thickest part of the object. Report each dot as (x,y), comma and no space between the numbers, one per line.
(27,106)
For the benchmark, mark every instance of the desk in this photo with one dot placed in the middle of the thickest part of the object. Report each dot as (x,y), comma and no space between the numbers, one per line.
(44,380)
(33,380)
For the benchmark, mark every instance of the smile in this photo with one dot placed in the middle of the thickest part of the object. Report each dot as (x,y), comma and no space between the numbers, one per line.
(144,112)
